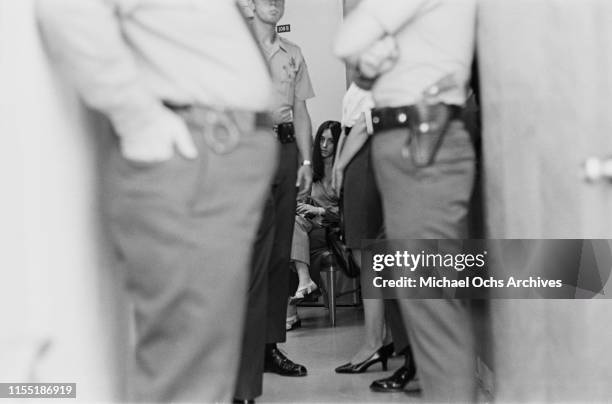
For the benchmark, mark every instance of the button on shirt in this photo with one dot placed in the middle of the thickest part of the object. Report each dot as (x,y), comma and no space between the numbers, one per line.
(126,56)
(290,78)
(435,38)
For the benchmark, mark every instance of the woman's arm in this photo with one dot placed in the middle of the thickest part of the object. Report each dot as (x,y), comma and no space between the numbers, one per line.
(340,145)
(353,143)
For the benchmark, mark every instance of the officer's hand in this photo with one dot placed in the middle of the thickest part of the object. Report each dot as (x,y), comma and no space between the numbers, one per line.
(304,181)
(380,58)
(159,143)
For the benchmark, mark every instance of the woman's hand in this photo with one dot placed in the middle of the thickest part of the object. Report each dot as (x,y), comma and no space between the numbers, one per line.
(309,210)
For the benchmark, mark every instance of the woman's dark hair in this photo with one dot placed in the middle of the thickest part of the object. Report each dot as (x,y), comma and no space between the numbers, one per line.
(318,169)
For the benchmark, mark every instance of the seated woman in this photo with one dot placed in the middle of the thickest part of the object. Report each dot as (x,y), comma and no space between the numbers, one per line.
(314,214)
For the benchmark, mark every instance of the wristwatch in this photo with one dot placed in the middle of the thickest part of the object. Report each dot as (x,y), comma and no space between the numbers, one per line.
(307,163)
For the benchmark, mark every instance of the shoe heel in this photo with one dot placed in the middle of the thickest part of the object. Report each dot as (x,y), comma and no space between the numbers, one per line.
(384,364)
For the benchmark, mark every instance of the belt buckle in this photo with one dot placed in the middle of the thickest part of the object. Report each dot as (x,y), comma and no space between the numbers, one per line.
(219,120)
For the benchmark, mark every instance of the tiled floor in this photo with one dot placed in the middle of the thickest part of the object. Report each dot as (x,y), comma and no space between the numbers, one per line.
(322,348)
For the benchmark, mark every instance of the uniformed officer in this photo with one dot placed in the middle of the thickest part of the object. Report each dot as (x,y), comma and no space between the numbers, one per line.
(269,289)
(187,179)
(425,190)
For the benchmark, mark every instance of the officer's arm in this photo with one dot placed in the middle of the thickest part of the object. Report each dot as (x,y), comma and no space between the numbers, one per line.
(303,136)
(84,38)
(303,129)
(370,22)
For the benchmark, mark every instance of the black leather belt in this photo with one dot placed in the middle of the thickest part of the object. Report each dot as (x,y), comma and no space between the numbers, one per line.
(285,132)
(262,119)
(426,126)
(408,116)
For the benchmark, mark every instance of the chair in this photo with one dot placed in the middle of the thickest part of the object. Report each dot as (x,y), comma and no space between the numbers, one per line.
(332,261)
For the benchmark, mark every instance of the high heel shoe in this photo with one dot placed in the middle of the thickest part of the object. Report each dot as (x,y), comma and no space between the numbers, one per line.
(293,322)
(388,349)
(310,290)
(378,356)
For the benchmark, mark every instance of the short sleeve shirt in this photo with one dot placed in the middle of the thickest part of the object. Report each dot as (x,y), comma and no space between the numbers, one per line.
(435,40)
(355,102)
(290,78)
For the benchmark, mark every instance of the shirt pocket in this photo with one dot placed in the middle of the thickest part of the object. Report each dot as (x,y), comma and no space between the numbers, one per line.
(287,83)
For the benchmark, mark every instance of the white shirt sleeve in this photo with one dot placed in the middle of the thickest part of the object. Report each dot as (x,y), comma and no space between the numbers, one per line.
(392,14)
(371,21)
(84,37)
(355,102)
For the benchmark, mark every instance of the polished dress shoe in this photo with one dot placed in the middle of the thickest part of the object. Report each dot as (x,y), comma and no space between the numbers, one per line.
(276,362)
(380,355)
(402,380)
(241,401)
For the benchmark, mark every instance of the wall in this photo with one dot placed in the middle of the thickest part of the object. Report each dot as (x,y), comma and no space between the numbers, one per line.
(313,27)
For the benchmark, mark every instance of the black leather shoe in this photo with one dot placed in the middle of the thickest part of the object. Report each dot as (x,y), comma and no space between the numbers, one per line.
(245,401)
(397,382)
(276,362)
(379,356)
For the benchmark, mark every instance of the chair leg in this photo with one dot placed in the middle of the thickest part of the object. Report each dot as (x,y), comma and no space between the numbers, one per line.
(355,294)
(325,294)
(331,284)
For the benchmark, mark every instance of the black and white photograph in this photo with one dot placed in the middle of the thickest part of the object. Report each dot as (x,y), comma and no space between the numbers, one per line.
(306,201)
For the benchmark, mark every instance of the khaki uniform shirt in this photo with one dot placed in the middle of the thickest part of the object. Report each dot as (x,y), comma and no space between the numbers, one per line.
(126,56)
(435,38)
(290,78)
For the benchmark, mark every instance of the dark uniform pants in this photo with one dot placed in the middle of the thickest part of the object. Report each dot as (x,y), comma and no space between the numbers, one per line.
(184,230)
(269,286)
(432,202)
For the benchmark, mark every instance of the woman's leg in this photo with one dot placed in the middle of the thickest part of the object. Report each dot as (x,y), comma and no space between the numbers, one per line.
(292,313)
(300,257)
(374,319)
(303,274)
(300,251)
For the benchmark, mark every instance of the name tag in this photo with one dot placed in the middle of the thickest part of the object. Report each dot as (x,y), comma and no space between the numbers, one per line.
(283,28)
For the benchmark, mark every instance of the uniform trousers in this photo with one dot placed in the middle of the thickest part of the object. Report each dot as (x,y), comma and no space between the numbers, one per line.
(184,231)
(363,219)
(269,284)
(432,203)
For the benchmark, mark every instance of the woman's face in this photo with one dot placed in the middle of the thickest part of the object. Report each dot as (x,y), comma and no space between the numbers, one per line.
(327,144)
